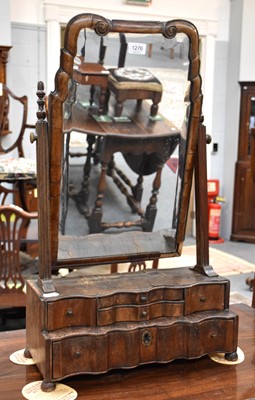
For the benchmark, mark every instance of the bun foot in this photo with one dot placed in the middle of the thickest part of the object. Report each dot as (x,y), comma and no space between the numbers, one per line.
(27,353)
(48,386)
(231,356)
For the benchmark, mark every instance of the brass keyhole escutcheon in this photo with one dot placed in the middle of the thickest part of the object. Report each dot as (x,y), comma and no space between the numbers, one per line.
(147,338)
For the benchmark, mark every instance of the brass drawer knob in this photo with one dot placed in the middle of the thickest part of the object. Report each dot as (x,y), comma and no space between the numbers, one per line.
(144,314)
(77,354)
(143,298)
(69,312)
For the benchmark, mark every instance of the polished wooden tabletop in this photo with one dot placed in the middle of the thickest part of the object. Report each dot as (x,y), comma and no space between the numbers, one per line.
(137,124)
(194,379)
(92,69)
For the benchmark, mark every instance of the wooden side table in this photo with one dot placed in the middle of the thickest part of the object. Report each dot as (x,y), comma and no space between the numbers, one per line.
(95,75)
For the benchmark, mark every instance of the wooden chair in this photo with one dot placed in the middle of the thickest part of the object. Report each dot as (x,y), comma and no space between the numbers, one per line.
(7,100)
(133,83)
(4,193)
(14,222)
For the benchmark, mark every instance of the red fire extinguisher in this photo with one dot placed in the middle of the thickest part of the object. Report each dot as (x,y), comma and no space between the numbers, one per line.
(214,210)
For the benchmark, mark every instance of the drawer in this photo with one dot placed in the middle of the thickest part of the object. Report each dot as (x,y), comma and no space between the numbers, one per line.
(79,354)
(204,298)
(95,353)
(111,315)
(71,312)
(103,349)
(151,296)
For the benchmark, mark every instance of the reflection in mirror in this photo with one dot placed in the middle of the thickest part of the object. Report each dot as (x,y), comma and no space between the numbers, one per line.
(152,62)
(131,92)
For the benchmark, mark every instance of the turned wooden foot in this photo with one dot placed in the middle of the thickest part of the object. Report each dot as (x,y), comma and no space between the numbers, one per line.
(154,110)
(138,105)
(231,356)
(27,353)
(118,109)
(48,386)
(250,283)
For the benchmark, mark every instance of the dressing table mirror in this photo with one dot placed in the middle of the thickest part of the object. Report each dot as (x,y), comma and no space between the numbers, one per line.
(142,128)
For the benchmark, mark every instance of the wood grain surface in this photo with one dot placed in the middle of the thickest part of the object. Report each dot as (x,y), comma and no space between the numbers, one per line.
(197,379)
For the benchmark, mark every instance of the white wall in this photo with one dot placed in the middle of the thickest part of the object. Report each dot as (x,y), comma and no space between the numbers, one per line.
(27,11)
(32,11)
(247,55)
(5,23)
(26,66)
(219,113)
(232,113)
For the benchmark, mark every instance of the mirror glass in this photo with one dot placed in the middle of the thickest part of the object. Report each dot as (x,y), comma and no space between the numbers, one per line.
(125,123)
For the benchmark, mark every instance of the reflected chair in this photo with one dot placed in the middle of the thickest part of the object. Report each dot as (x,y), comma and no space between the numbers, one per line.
(133,83)
(94,75)
(14,223)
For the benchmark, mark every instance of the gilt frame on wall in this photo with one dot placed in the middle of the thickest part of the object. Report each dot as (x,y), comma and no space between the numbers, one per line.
(139,2)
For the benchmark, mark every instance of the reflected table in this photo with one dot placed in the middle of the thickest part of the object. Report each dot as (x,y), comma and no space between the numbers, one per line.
(146,145)
(180,379)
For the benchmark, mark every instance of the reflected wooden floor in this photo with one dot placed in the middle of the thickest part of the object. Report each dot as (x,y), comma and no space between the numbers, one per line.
(185,380)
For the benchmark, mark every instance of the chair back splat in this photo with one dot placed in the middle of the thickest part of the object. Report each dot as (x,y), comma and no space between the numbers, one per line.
(13,124)
(14,223)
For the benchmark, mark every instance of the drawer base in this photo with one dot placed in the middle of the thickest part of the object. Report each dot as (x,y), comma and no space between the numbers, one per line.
(93,349)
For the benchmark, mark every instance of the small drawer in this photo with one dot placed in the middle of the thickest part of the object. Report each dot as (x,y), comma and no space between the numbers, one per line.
(79,354)
(111,315)
(151,296)
(71,312)
(119,299)
(204,297)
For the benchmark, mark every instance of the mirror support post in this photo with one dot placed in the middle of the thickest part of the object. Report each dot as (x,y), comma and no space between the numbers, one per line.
(42,155)
(202,239)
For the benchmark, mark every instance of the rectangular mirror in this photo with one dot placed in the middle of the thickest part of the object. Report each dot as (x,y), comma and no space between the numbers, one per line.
(122,131)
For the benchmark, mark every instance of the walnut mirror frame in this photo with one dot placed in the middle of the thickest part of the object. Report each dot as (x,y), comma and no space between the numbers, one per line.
(99,248)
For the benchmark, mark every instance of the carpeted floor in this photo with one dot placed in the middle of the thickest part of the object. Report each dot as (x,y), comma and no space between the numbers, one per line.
(223,263)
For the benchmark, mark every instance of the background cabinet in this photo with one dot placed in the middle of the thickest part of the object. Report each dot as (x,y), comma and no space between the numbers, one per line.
(4,50)
(243,227)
